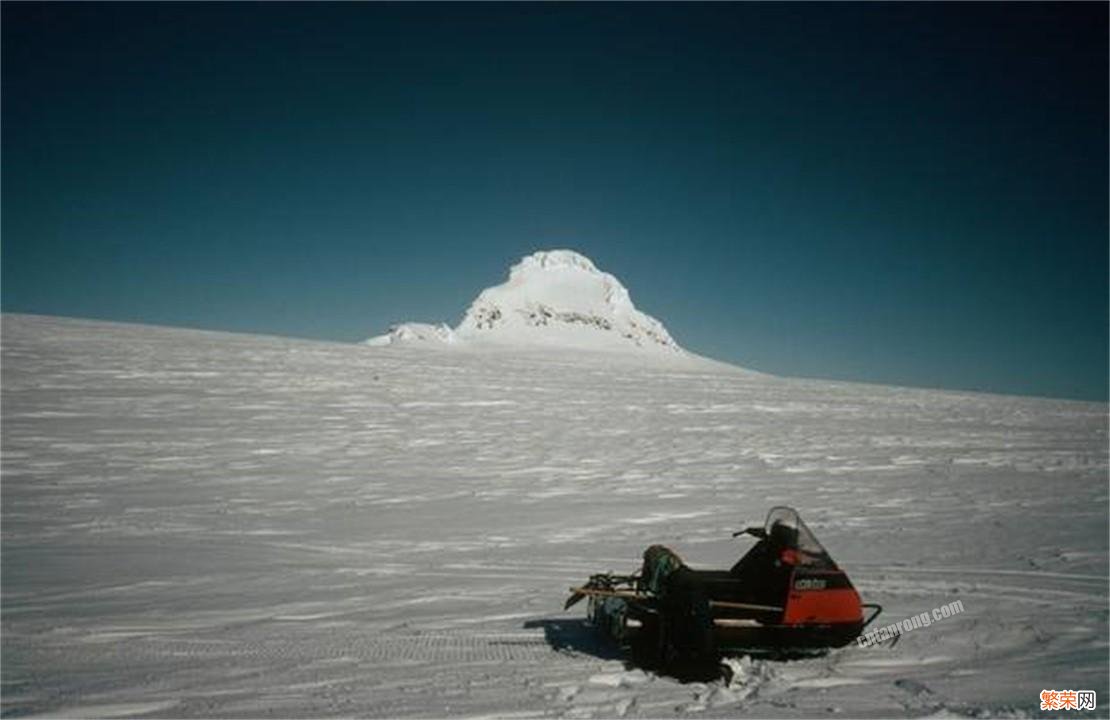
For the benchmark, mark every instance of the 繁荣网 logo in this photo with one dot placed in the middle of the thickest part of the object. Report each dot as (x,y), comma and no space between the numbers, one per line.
(1068,699)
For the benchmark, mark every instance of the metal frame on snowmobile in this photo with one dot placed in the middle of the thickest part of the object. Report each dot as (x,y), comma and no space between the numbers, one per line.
(785,596)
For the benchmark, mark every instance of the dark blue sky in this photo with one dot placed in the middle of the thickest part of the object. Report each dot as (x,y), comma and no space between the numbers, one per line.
(898,193)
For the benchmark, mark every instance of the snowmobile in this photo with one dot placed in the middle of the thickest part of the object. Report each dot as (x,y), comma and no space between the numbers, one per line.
(784,598)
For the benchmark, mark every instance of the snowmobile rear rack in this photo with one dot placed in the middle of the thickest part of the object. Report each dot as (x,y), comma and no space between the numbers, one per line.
(582,592)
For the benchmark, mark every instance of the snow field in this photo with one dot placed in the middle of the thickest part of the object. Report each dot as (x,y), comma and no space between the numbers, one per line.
(202,524)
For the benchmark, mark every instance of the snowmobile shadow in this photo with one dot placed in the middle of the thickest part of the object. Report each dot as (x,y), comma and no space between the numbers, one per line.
(578,635)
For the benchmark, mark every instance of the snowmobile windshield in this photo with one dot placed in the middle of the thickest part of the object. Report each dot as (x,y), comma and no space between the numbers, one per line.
(786,528)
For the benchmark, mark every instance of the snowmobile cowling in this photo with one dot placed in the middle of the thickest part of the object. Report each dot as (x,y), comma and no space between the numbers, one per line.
(785,596)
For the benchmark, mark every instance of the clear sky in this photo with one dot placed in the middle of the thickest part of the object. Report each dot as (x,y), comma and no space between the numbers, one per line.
(913,194)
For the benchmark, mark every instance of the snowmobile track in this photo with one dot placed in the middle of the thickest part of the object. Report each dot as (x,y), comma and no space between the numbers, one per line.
(373,648)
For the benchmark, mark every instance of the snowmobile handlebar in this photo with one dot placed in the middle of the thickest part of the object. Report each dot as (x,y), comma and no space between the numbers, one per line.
(757,531)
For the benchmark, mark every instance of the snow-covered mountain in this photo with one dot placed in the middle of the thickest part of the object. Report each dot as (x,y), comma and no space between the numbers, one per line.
(415,333)
(554,298)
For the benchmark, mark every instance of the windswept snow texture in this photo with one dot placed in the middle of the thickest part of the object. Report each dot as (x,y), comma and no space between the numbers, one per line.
(204,524)
(554,298)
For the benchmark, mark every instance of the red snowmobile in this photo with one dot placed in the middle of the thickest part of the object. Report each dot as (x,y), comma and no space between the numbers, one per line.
(785,597)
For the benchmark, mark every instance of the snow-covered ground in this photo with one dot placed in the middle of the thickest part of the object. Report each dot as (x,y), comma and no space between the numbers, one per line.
(206,524)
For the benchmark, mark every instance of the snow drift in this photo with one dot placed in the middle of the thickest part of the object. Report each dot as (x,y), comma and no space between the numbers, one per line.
(415,333)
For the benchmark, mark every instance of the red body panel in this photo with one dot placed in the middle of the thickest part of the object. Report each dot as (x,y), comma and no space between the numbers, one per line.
(811,600)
